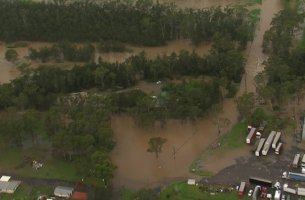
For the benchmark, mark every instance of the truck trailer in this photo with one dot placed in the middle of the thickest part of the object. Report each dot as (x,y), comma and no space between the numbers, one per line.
(301,191)
(288,189)
(268,142)
(276,140)
(293,176)
(241,189)
(251,136)
(296,160)
(278,148)
(260,146)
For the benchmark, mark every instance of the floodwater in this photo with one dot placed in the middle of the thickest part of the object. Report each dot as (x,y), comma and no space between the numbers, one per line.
(256,56)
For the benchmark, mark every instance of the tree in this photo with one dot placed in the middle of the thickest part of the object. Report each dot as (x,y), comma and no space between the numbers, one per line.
(245,104)
(11,55)
(155,145)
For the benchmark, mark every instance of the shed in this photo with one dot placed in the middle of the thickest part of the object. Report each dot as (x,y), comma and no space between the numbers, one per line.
(79,196)
(9,186)
(191,181)
(62,191)
(5,178)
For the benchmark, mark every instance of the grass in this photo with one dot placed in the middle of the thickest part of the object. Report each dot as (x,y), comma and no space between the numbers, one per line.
(26,192)
(10,159)
(17,45)
(182,191)
(234,139)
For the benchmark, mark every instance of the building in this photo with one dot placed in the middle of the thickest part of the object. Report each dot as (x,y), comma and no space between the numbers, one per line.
(8,186)
(79,196)
(62,191)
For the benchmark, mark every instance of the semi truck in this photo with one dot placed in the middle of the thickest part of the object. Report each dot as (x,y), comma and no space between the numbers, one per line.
(277,195)
(251,136)
(260,146)
(268,143)
(288,189)
(278,148)
(293,176)
(241,188)
(276,140)
(301,191)
(256,192)
(296,160)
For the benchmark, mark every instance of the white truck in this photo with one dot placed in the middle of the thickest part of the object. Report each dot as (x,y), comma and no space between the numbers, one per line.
(268,143)
(296,160)
(260,146)
(288,189)
(278,148)
(276,140)
(251,136)
(301,191)
(277,195)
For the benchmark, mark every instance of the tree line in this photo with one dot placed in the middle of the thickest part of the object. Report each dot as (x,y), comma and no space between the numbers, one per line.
(283,77)
(139,22)
(39,88)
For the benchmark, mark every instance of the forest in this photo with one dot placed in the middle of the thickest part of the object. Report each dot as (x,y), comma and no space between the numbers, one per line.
(141,22)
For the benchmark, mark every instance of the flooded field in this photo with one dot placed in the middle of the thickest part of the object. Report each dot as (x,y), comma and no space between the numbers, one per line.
(138,168)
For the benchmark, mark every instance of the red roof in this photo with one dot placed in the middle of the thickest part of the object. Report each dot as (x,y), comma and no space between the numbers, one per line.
(79,196)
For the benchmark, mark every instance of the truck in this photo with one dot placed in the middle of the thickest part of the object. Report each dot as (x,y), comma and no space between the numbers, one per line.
(296,160)
(264,192)
(278,148)
(293,176)
(288,189)
(256,192)
(260,146)
(268,143)
(251,136)
(241,188)
(277,195)
(276,140)
(301,191)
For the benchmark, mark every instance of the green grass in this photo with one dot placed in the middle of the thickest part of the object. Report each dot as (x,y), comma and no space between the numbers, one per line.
(182,191)
(26,192)
(52,168)
(235,138)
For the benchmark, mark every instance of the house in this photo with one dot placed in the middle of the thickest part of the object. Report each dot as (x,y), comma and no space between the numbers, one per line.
(79,196)
(62,191)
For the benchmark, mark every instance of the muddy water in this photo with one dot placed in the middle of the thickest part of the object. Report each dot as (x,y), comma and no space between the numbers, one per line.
(152,52)
(256,57)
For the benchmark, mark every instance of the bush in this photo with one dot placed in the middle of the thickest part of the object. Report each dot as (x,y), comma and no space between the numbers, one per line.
(111,46)
(11,55)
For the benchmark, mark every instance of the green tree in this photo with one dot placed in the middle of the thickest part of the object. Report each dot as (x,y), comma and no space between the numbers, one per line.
(155,145)
(245,105)
(11,55)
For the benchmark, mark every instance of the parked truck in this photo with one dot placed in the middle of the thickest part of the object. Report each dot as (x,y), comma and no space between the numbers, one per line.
(303,161)
(288,189)
(256,192)
(301,191)
(293,176)
(241,189)
(276,140)
(251,136)
(296,160)
(268,143)
(278,148)
(260,146)
(277,195)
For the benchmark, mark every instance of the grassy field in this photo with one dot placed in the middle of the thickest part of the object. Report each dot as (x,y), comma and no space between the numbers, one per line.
(14,161)
(234,139)
(26,192)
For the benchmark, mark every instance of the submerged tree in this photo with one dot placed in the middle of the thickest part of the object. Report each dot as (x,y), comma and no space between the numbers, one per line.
(155,145)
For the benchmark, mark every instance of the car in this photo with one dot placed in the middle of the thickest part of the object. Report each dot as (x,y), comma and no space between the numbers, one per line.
(283,197)
(250,193)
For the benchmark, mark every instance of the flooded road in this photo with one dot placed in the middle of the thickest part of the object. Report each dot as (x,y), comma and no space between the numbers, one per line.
(256,56)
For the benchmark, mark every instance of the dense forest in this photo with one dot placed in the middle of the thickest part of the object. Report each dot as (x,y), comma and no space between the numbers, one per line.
(141,22)
(283,78)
